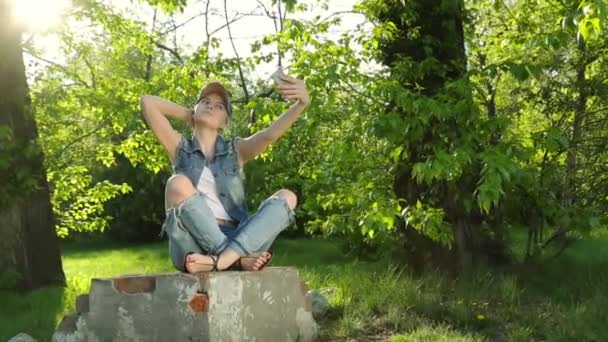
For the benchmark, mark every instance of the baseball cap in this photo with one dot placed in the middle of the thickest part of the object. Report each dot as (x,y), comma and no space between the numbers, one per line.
(216,87)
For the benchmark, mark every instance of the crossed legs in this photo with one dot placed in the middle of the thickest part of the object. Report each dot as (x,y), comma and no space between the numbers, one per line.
(197,244)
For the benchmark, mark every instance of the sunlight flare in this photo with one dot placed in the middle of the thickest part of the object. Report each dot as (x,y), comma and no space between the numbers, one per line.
(38,15)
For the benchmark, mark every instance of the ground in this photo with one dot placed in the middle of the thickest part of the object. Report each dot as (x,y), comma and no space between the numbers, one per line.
(563,299)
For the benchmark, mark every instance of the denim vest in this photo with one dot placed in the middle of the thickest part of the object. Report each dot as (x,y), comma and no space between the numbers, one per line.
(189,161)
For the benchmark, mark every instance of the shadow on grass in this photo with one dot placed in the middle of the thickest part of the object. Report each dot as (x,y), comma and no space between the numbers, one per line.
(572,276)
(36,313)
(561,299)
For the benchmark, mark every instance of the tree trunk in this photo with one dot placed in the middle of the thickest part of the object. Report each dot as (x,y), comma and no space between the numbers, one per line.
(432,30)
(577,127)
(29,249)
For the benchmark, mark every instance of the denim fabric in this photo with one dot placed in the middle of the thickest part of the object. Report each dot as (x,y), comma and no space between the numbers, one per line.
(190,161)
(192,228)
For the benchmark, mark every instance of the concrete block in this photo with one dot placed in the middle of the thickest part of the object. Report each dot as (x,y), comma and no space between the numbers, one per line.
(22,337)
(82,304)
(267,305)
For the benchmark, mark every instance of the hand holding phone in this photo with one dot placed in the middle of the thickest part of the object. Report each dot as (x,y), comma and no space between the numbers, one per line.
(291,88)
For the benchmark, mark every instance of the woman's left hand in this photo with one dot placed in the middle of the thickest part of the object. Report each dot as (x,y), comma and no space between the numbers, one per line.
(293,89)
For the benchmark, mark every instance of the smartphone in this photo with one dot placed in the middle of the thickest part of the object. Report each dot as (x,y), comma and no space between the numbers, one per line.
(276,75)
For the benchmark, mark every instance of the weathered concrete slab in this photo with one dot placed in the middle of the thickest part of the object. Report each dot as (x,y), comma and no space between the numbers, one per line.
(268,305)
(22,337)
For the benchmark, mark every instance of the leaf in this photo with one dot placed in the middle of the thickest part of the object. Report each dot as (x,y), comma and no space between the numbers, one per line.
(396,153)
(519,71)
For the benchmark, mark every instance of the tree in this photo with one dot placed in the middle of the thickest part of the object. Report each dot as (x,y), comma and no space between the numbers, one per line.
(451,168)
(540,66)
(29,250)
(442,151)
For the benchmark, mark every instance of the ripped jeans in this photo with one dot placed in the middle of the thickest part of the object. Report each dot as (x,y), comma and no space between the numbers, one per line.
(191,228)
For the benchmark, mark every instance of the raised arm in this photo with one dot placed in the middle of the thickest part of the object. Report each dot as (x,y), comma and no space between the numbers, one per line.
(291,89)
(155,111)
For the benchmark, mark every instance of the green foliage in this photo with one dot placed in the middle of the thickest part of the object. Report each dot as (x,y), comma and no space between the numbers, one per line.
(137,214)
(86,213)
(590,18)
(498,167)
(536,74)
(169,6)
(330,158)
(429,221)
(490,145)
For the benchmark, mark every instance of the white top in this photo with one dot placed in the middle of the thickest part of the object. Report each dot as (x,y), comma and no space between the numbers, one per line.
(206,185)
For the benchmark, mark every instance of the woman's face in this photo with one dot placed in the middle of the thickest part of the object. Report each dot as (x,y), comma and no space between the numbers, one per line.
(211,112)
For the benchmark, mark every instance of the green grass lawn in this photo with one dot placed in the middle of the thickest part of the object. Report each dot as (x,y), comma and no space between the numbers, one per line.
(565,300)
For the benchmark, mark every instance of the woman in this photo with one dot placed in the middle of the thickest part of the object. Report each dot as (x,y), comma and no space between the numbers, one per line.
(207,222)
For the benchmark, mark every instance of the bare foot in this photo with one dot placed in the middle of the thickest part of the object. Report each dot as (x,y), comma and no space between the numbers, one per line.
(255,262)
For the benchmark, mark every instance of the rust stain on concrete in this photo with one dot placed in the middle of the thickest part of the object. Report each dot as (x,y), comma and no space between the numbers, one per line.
(133,285)
(199,303)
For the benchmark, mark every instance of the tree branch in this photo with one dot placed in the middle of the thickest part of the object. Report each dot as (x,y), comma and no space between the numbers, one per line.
(93,77)
(270,15)
(208,35)
(233,20)
(276,27)
(173,52)
(238,60)
(59,66)
(175,27)
(77,140)
(338,13)
(148,72)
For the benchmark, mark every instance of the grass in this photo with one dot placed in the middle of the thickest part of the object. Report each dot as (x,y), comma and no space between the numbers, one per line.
(564,300)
